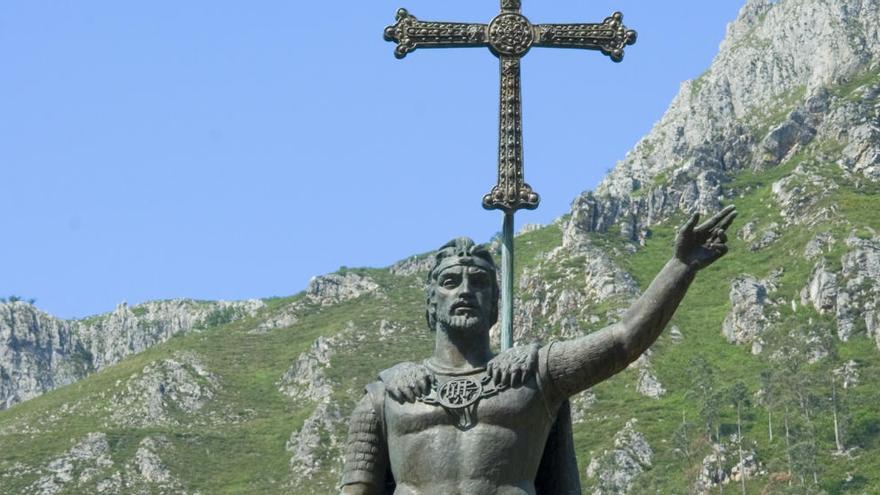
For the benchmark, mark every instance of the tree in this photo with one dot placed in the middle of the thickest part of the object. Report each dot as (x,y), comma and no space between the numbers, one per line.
(681,438)
(769,398)
(796,393)
(738,397)
(703,391)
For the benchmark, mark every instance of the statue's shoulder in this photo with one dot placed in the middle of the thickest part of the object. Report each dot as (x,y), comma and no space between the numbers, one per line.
(400,367)
(401,370)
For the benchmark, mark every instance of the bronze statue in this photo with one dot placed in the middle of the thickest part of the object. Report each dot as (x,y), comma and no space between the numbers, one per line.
(468,422)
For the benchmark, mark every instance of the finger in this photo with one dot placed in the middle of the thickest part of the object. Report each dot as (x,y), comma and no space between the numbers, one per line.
(505,377)
(689,226)
(496,375)
(712,222)
(726,221)
(516,377)
(720,236)
(395,394)
(532,363)
(409,395)
(425,385)
(720,249)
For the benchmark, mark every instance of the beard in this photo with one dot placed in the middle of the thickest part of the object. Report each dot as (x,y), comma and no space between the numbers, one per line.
(460,323)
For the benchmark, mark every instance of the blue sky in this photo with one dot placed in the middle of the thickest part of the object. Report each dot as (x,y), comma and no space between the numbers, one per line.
(230,150)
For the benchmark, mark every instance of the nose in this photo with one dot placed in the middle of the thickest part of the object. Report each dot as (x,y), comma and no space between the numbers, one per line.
(465,288)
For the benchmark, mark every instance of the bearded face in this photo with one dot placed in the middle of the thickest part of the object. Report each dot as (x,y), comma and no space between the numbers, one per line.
(463,299)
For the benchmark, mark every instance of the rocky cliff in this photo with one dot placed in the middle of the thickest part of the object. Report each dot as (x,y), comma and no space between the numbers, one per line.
(39,352)
(766,97)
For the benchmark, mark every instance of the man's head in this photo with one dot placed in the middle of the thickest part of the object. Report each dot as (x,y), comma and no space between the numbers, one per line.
(462,287)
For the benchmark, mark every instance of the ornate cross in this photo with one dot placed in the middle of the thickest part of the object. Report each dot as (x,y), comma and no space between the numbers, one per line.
(509,36)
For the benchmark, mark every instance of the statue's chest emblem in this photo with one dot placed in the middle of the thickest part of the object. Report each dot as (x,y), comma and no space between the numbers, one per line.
(460,397)
(459,393)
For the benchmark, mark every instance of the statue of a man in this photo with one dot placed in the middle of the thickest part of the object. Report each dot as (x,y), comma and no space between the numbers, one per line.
(468,422)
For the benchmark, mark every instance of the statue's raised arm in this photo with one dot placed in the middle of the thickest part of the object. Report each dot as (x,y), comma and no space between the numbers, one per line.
(575,365)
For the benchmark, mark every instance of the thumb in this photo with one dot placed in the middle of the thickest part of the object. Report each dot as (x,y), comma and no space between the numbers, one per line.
(689,226)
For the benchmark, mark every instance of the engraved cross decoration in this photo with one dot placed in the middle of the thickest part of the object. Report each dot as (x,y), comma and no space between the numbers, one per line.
(509,36)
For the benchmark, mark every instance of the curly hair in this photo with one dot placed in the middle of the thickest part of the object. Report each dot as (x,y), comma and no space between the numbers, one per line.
(468,254)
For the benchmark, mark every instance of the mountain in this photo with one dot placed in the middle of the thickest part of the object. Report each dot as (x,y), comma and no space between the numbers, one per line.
(765,381)
(42,353)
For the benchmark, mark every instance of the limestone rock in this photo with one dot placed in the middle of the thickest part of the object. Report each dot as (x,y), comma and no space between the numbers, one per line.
(818,245)
(767,237)
(714,469)
(581,404)
(712,472)
(849,374)
(821,289)
(305,379)
(130,330)
(707,133)
(749,467)
(746,321)
(853,294)
(39,352)
(647,383)
(747,232)
(413,265)
(165,392)
(593,272)
(316,445)
(286,317)
(799,194)
(529,227)
(146,472)
(75,468)
(859,297)
(318,435)
(335,287)
(615,471)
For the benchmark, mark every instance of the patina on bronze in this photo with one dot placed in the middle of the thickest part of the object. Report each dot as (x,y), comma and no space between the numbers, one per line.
(509,36)
(403,439)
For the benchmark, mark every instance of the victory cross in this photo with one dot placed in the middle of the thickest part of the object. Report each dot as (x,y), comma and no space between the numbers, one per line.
(466,421)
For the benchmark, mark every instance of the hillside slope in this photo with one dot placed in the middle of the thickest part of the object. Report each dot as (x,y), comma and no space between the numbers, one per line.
(767,376)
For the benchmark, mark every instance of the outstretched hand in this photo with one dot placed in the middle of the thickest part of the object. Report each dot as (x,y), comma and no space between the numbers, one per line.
(699,247)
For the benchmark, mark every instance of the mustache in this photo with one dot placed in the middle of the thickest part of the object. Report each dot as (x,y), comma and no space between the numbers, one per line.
(464,303)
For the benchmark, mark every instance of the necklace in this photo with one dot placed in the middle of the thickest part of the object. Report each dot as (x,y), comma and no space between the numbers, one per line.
(460,394)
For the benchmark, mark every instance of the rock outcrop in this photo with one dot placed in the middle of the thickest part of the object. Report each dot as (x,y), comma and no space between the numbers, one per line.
(746,320)
(647,383)
(87,467)
(166,392)
(715,469)
(851,294)
(39,352)
(320,437)
(338,287)
(778,58)
(615,471)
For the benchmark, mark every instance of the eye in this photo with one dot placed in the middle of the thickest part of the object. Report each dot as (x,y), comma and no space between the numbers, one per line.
(481,280)
(448,282)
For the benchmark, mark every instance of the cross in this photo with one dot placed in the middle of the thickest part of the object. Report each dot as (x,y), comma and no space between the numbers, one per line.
(509,36)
